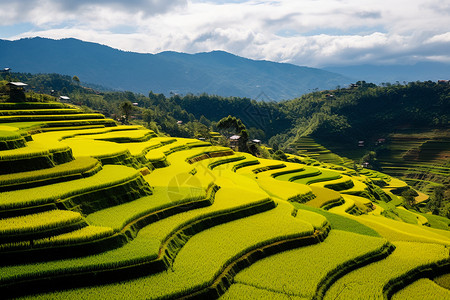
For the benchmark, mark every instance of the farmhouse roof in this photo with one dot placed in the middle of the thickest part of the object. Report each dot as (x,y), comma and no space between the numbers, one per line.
(64,98)
(17,84)
(235,137)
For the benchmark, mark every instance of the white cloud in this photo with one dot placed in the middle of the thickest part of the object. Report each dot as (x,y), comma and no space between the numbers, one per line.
(307,32)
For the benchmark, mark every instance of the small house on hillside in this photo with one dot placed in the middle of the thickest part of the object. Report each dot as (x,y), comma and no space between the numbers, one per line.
(380,141)
(234,142)
(64,99)
(17,85)
(17,91)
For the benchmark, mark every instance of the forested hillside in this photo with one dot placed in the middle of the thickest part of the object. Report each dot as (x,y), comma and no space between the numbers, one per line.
(404,128)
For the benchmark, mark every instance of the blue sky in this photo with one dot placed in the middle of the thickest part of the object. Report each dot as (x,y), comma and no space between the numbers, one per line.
(313,33)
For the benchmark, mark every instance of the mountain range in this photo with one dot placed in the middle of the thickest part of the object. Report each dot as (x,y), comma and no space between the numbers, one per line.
(216,72)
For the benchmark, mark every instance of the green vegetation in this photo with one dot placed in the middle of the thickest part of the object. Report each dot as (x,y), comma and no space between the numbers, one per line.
(77,168)
(109,176)
(85,234)
(286,272)
(422,289)
(340,222)
(37,222)
(399,263)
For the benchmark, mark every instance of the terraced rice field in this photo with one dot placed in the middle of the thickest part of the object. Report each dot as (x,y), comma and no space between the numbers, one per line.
(91,210)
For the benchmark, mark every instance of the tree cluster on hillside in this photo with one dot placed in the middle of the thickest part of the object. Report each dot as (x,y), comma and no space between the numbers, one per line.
(364,111)
(367,111)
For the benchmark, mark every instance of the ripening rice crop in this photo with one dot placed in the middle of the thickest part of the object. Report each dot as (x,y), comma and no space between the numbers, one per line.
(286,272)
(32,105)
(38,221)
(142,148)
(316,220)
(345,207)
(122,136)
(247,292)
(285,190)
(423,288)
(11,139)
(290,175)
(33,118)
(228,198)
(395,183)
(76,166)
(141,249)
(49,111)
(98,149)
(406,257)
(144,247)
(324,197)
(264,165)
(84,234)
(203,257)
(284,173)
(221,162)
(60,135)
(118,216)
(325,175)
(415,218)
(339,222)
(33,149)
(109,176)
(7,135)
(438,222)
(81,122)
(400,231)
(343,183)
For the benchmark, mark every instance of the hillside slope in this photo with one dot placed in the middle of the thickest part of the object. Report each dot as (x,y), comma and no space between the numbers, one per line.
(92,210)
(215,72)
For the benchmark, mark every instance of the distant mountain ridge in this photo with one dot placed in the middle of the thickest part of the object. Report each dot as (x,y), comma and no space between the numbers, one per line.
(215,72)
(421,71)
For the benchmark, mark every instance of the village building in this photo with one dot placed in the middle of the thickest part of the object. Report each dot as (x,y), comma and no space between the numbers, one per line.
(17,85)
(234,142)
(64,99)
(17,91)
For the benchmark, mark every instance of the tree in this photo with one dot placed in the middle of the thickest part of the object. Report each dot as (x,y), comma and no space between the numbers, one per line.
(239,128)
(409,197)
(126,108)
(436,199)
(76,80)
